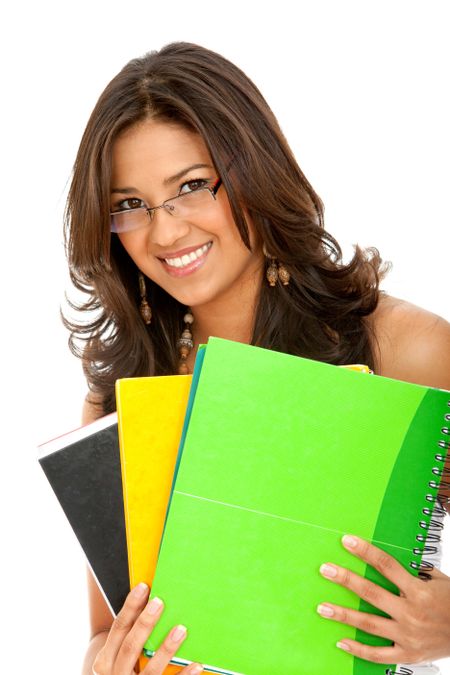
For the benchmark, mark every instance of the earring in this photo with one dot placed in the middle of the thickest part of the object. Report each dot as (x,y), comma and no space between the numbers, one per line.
(185,344)
(144,308)
(283,274)
(274,273)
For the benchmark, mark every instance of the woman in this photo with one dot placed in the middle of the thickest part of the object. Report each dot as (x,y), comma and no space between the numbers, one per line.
(189,217)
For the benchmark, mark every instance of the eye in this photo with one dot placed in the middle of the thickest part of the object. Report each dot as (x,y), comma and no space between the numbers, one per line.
(129,204)
(193,185)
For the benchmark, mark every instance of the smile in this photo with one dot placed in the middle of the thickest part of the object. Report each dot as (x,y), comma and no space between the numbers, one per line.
(188,262)
(188,258)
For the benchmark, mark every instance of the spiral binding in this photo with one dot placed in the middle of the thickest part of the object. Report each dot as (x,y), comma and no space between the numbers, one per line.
(433,527)
(403,671)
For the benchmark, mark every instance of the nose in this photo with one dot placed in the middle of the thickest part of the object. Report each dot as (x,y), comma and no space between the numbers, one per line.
(166,228)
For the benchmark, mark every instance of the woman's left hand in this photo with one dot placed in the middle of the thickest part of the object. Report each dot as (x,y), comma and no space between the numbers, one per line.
(419,625)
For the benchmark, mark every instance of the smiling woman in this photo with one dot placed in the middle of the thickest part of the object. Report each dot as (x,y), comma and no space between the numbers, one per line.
(162,114)
(187,217)
(189,246)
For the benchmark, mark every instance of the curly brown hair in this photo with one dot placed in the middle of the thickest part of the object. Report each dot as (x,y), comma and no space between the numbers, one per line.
(321,314)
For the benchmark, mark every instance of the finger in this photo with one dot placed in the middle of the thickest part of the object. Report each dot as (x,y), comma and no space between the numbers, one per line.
(124,621)
(436,574)
(372,593)
(192,669)
(387,655)
(384,563)
(369,623)
(133,642)
(167,651)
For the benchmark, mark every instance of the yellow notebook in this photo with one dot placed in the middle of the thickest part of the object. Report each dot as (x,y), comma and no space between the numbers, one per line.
(150,413)
(150,416)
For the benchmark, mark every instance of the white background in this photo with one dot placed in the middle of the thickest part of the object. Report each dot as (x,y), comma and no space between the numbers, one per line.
(361,92)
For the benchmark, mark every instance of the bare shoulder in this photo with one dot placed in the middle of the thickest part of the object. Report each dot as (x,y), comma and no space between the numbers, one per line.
(92,408)
(411,343)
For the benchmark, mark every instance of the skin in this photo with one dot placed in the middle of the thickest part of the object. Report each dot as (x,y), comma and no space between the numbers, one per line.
(223,292)
(410,344)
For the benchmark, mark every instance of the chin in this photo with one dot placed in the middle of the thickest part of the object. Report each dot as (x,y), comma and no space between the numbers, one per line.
(194,298)
(193,301)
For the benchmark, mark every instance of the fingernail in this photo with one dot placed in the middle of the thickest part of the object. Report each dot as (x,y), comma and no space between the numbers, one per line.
(349,541)
(140,590)
(154,605)
(325,610)
(328,571)
(178,633)
(196,669)
(343,646)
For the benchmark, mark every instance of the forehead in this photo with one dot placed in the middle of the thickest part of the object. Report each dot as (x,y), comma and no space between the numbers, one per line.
(153,150)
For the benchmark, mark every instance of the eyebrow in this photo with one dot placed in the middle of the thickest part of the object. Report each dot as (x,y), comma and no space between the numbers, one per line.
(167,181)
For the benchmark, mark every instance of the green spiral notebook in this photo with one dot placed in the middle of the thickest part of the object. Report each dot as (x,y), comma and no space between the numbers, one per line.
(281,457)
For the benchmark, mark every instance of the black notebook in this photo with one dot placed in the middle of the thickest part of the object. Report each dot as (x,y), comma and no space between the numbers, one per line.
(83,468)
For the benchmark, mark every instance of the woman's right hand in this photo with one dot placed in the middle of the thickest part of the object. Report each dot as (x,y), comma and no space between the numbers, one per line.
(128,634)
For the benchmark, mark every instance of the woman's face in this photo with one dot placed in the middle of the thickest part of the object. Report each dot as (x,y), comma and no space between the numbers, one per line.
(199,258)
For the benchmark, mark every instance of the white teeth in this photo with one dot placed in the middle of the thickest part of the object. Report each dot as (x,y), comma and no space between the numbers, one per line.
(187,259)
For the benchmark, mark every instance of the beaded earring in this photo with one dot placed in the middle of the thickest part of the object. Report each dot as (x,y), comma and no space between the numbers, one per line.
(274,273)
(144,307)
(185,344)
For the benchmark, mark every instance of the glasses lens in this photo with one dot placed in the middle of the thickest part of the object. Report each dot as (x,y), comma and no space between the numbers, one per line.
(189,202)
(125,221)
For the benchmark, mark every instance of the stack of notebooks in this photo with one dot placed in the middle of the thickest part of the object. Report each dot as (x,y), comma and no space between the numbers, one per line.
(226,491)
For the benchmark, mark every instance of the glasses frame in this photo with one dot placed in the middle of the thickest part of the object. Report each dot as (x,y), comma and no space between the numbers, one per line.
(166,204)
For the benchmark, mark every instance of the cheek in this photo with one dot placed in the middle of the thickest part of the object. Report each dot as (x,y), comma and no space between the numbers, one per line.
(255,239)
(134,243)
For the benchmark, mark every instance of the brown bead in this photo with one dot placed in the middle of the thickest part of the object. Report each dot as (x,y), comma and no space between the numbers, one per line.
(184,351)
(272,274)
(145,311)
(142,288)
(183,368)
(283,274)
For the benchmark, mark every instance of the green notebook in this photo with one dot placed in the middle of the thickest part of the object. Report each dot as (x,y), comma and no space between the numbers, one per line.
(281,457)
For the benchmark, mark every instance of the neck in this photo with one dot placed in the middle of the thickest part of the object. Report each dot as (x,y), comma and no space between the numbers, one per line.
(232,323)
(231,317)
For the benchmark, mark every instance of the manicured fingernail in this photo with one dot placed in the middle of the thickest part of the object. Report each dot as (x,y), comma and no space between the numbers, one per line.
(325,610)
(349,541)
(196,669)
(154,605)
(140,590)
(328,571)
(343,646)
(178,633)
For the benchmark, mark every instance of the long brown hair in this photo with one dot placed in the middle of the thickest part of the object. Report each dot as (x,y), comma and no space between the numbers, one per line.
(321,314)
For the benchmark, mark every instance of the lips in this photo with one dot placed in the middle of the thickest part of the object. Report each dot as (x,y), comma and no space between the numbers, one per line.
(186,261)
(186,258)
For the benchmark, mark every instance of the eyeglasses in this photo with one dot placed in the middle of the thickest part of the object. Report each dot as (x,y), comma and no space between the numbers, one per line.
(183,205)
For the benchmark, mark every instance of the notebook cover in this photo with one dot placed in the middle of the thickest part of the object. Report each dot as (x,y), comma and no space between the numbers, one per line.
(83,468)
(282,457)
(150,412)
